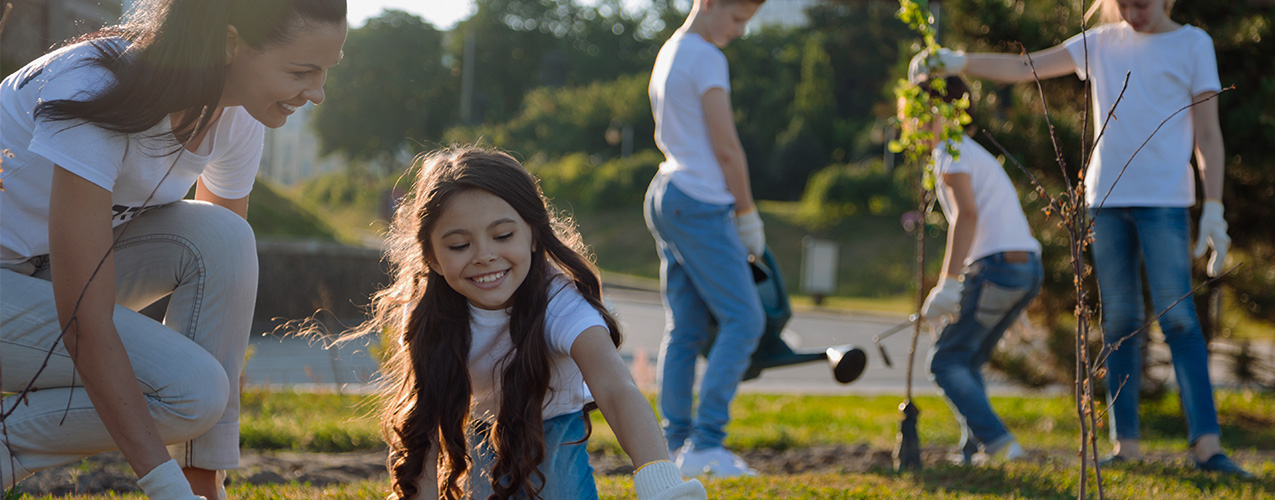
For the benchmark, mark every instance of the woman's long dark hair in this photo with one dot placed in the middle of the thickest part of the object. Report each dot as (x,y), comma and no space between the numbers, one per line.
(429,373)
(176,59)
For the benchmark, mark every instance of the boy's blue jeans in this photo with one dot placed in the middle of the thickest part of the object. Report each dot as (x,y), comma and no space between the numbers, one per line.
(704,276)
(995,293)
(1125,239)
(565,466)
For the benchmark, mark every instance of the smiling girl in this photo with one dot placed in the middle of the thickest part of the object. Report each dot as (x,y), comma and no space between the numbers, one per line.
(1141,221)
(503,345)
(108,134)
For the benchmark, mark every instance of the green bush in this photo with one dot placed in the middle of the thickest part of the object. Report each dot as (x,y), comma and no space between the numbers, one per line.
(847,190)
(580,181)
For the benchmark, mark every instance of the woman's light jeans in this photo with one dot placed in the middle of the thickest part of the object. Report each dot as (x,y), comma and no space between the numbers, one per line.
(704,277)
(1125,240)
(995,293)
(188,367)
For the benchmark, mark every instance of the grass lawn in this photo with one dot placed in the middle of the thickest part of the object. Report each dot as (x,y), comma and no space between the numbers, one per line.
(771,424)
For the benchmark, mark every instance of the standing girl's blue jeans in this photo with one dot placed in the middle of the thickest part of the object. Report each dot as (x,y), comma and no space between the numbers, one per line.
(566,464)
(996,291)
(1126,239)
(704,276)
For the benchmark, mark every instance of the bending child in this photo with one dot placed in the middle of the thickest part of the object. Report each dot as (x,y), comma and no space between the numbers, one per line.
(500,324)
(1142,219)
(991,271)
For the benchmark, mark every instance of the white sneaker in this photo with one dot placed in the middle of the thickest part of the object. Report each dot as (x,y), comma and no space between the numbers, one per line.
(1008,453)
(716,462)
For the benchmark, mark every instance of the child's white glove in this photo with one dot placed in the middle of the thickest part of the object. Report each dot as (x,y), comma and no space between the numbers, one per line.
(166,482)
(749,227)
(662,480)
(944,300)
(1213,234)
(943,62)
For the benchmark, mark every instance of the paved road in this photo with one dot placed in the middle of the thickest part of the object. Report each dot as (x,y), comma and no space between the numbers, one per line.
(296,363)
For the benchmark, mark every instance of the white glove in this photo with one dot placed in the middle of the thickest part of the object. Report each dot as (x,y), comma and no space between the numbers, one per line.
(167,482)
(944,62)
(944,300)
(662,480)
(749,226)
(1213,234)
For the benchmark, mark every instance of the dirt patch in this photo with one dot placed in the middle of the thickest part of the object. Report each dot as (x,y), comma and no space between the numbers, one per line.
(109,472)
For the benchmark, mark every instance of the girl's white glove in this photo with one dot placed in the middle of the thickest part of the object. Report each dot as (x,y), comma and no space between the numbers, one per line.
(943,62)
(662,480)
(1213,234)
(944,300)
(749,227)
(167,482)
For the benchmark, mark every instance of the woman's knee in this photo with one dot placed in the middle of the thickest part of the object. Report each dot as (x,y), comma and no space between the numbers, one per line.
(193,399)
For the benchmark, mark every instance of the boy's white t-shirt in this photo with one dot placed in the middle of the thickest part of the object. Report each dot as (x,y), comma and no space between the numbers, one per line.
(687,67)
(129,166)
(566,317)
(1166,71)
(1002,226)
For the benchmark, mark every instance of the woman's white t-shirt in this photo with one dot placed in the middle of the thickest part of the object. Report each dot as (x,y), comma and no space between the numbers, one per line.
(1165,72)
(566,317)
(130,166)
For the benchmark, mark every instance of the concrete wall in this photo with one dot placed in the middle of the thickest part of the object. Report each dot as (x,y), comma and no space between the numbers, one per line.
(301,278)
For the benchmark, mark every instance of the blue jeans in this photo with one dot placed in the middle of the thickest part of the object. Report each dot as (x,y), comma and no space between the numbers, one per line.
(566,466)
(995,293)
(1126,239)
(704,276)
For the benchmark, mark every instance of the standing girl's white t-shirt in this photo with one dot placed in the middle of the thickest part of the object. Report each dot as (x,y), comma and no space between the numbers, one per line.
(1165,71)
(134,168)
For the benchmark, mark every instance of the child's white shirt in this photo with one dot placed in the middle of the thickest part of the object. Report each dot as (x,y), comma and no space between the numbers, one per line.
(1002,226)
(686,68)
(129,166)
(1166,71)
(567,316)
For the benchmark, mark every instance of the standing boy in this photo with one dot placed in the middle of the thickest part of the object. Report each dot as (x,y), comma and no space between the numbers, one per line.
(700,209)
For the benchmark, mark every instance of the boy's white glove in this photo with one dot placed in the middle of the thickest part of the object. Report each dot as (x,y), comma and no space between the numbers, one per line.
(944,300)
(1213,234)
(943,62)
(166,482)
(662,480)
(749,227)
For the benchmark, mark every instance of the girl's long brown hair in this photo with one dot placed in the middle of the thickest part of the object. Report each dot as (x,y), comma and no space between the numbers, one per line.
(428,369)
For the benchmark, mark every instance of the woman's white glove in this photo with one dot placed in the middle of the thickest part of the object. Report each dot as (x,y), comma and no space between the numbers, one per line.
(943,62)
(1213,234)
(167,482)
(944,300)
(749,227)
(662,480)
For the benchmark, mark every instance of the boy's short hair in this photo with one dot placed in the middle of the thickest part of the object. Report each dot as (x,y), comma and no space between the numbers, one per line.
(956,88)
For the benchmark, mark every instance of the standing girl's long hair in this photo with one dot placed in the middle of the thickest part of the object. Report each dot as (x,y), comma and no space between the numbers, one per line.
(175,60)
(428,368)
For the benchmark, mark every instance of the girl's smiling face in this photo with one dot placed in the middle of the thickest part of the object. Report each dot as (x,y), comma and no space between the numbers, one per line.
(1144,16)
(482,247)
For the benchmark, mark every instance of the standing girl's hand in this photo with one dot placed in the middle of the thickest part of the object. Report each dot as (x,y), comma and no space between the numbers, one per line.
(662,480)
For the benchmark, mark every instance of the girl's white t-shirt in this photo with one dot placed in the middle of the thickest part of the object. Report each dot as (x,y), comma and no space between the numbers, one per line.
(130,166)
(1165,72)
(566,317)
(685,69)
(1002,226)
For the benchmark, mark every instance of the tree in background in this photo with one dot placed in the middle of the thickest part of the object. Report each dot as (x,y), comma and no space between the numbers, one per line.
(390,90)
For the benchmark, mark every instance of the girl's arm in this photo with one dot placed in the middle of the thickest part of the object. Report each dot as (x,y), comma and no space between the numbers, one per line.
(720,120)
(1209,150)
(1012,68)
(960,233)
(239,206)
(79,236)
(427,484)
(625,408)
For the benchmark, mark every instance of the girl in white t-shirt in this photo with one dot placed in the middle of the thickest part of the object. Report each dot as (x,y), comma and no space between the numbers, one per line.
(498,322)
(1142,219)
(105,136)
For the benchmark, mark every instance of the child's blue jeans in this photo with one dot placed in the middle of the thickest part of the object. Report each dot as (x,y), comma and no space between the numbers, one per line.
(704,276)
(1125,240)
(995,293)
(566,466)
